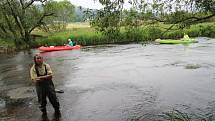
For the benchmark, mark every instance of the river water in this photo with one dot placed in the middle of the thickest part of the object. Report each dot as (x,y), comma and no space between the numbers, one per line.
(133,82)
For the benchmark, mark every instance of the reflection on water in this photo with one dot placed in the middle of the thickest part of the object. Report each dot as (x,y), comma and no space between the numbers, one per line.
(2,103)
(121,82)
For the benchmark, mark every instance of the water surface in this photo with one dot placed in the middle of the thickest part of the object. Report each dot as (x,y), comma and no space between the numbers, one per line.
(119,82)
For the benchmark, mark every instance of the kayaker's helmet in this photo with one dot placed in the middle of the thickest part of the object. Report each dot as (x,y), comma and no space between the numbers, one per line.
(69,40)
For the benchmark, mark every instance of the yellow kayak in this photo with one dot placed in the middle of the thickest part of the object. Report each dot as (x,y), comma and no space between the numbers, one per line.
(185,40)
(172,41)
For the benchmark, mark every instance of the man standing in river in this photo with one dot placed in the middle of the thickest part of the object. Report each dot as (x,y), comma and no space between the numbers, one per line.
(41,74)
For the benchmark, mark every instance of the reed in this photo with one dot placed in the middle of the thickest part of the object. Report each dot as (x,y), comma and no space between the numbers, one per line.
(85,35)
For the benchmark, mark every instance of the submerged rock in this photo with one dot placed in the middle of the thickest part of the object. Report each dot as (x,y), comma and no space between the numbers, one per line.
(19,95)
(193,66)
(2,103)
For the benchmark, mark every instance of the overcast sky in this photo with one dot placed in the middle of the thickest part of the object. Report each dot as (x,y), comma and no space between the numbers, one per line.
(90,3)
(86,3)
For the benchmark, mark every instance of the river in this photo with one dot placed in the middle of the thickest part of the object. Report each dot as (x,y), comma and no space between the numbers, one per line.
(132,82)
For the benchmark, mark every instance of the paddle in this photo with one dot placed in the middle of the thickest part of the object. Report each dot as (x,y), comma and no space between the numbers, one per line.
(59,91)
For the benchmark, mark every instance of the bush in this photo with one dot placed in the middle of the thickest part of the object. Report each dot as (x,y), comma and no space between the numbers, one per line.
(193,32)
(51,41)
(151,33)
(88,36)
(173,34)
(7,43)
(207,31)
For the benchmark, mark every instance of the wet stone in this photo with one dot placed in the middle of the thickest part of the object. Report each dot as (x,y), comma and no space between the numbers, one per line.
(22,92)
(193,66)
(19,95)
(2,103)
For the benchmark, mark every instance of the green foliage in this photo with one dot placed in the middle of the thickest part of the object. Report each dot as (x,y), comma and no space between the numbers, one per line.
(131,19)
(205,29)
(18,18)
(206,5)
(194,32)
(107,20)
(88,36)
(134,34)
(50,41)
(173,34)
(181,13)
(180,18)
(147,33)
(151,33)
(7,43)
(64,13)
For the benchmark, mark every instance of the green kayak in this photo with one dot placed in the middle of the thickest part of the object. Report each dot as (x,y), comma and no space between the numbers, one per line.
(185,40)
(171,41)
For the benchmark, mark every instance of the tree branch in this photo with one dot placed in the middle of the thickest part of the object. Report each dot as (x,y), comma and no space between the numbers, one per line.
(40,21)
(22,4)
(189,20)
(204,18)
(3,28)
(30,3)
(16,18)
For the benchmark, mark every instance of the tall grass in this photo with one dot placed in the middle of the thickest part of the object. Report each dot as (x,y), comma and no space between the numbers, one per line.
(85,35)
(7,46)
(7,43)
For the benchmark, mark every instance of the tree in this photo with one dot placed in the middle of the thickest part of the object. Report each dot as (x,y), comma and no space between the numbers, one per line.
(20,17)
(64,13)
(107,20)
(176,12)
(187,12)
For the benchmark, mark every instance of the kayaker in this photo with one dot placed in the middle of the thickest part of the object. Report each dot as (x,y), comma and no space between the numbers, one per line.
(41,74)
(186,37)
(70,43)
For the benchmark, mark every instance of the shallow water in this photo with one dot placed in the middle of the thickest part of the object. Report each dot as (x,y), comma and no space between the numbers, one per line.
(119,82)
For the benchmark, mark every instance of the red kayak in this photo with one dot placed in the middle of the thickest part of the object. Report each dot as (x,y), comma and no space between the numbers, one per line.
(58,48)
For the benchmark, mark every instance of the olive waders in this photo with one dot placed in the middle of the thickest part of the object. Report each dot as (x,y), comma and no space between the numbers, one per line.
(45,88)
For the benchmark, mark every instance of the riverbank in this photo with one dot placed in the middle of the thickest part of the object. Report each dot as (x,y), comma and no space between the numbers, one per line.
(89,36)
(7,49)
(85,35)
(7,46)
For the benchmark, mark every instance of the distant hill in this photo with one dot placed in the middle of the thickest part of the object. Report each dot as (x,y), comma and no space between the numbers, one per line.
(80,15)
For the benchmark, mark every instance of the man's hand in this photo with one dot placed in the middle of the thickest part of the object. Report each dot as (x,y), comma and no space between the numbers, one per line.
(46,77)
(37,78)
(42,78)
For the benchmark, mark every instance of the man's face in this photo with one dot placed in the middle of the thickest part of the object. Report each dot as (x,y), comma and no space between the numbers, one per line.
(39,60)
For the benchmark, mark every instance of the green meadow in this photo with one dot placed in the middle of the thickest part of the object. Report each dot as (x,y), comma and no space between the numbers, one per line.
(86,35)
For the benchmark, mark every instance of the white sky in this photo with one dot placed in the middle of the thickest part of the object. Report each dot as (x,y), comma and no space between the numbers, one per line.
(86,3)
(90,3)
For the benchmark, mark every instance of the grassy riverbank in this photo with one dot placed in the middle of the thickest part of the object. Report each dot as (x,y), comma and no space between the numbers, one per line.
(85,35)
(6,46)
(88,36)
(8,43)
